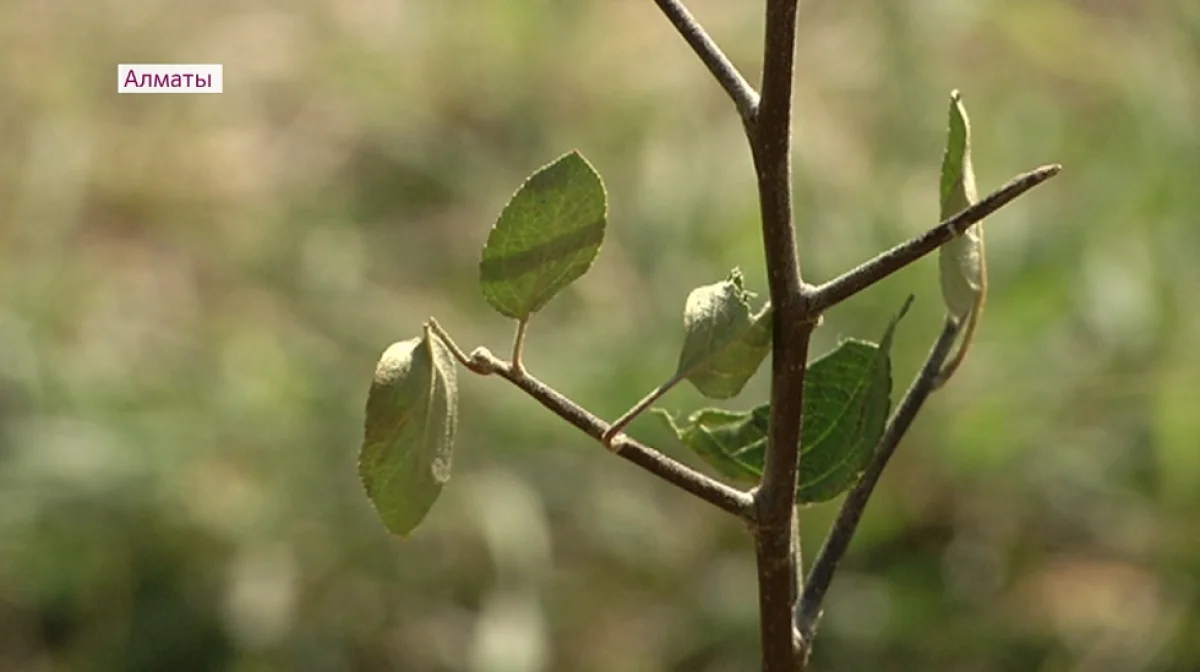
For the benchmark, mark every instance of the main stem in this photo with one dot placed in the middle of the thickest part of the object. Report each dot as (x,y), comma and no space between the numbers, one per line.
(770,135)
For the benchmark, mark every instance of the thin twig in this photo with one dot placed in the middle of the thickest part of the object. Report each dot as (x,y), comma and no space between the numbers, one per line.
(771,146)
(745,98)
(483,362)
(844,527)
(856,280)
(676,473)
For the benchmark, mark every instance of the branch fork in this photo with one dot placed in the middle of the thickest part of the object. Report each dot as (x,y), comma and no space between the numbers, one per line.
(789,609)
(787,628)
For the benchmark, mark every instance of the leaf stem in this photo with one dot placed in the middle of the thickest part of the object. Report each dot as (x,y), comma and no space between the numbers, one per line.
(745,98)
(870,272)
(846,524)
(676,473)
(638,408)
(519,344)
(469,363)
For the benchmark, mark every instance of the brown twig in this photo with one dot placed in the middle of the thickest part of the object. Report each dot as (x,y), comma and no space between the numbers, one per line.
(744,97)
(870,272)
(722,496)
(846,524)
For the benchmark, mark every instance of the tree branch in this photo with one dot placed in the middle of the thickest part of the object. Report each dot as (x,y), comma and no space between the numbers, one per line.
(856,280)
(745,98)
(855,503)
(770,142)
(676,473)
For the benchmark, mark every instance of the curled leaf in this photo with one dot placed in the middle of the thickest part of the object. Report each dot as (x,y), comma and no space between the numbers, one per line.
(961,260)
(546,238)
(724,341)
(411,420)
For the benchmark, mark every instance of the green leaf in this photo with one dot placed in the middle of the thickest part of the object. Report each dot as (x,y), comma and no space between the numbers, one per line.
(547,237)
(412,416)
(732,442)
(847,399)
(961,260)
(724,343)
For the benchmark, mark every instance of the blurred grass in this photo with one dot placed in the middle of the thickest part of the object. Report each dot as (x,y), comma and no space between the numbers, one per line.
(194,289)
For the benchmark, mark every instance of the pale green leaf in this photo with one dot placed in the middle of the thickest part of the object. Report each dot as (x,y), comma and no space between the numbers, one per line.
(961,260)
(412,417)
(724,341)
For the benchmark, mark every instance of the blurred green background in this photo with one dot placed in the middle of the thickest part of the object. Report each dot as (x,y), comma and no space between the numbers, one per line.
(194,291)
